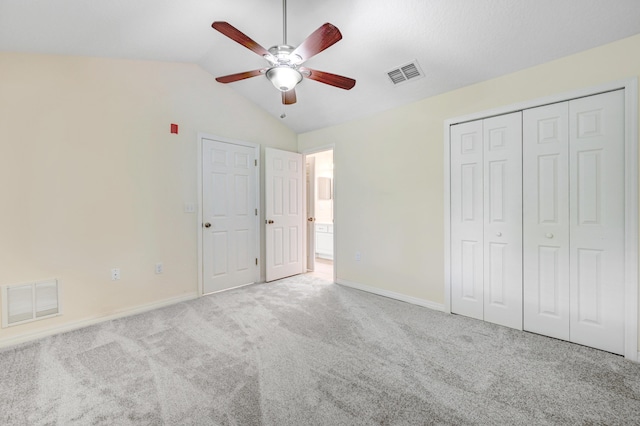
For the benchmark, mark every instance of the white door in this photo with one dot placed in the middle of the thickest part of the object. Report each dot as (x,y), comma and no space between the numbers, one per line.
(486,219)
(230,224)
(502,166)
(574,221)
(310,164)
(284,216)
(546,220)
(467,293)
(596,206)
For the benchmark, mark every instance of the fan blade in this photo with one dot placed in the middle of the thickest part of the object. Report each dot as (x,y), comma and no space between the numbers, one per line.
(238,36)
(325,36)
(289,97)
(240,76)
(345,83)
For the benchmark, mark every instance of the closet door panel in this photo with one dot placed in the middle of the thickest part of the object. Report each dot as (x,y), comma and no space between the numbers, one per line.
(596,148)
(546,220)
(502,169)
(467,219)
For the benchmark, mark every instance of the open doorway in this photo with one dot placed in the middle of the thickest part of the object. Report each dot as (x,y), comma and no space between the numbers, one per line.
(319,204)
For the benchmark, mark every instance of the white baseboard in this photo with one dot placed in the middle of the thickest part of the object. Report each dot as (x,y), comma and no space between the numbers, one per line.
(393,295)
(324,256)
(26,337)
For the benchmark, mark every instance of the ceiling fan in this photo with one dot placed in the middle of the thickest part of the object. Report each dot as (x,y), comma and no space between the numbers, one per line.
(284,69)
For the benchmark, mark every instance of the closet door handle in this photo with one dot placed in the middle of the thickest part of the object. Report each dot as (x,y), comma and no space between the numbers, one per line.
(498,234)
(549,235)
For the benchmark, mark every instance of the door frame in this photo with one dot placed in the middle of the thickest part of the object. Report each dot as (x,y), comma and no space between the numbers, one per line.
(315,150)
(256,149)
(310,179)
(630,87)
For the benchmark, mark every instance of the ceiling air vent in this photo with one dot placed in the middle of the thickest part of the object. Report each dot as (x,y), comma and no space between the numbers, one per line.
(404,73)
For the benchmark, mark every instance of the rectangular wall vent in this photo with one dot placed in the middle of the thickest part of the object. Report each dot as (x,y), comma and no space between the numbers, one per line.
(29,302)
(404,73)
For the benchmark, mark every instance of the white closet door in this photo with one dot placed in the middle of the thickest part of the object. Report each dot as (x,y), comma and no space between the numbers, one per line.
(467,219)
(503,220)
(596,150)
(546,220)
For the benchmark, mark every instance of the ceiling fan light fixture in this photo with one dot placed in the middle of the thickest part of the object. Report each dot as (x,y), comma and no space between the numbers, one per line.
(284,78)
(284,70)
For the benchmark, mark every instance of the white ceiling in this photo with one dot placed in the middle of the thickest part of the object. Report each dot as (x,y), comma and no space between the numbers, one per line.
(456,42)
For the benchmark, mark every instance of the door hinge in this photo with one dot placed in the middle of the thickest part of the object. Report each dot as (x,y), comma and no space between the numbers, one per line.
(256,212)
(256,260)
(255,162)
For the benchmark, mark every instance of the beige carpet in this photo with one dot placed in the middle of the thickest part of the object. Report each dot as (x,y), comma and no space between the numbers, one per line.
(303,351)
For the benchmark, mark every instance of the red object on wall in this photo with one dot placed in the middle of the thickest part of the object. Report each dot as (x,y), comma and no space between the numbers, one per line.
(174,128)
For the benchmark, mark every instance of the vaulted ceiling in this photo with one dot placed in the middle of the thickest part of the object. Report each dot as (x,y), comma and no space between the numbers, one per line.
(455,42)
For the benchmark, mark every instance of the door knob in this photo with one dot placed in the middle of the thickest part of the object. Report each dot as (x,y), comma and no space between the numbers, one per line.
(499,234)
(269,221)
(311,219)
(549,235)
(207,225)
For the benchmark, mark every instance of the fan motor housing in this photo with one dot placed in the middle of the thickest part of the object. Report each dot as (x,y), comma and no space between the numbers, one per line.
(282,53)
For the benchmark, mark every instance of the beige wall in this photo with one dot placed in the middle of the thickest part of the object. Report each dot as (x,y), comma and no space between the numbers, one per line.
(389,169)
(92,178)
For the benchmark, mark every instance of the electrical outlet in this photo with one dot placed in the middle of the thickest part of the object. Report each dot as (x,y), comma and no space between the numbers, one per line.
(159,268)
(189,207)
(115,274)
(358,256)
